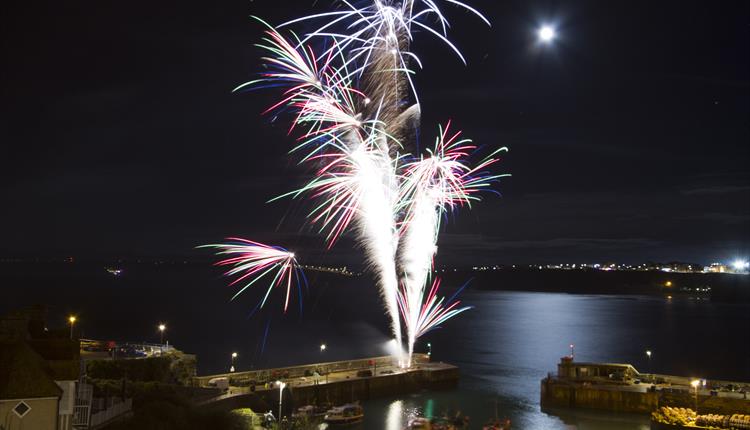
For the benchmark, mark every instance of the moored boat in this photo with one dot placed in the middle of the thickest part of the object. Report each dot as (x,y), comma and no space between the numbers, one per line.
(346,414)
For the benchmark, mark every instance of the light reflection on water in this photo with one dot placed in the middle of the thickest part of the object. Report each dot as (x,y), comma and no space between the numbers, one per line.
(503,347)
(509,342)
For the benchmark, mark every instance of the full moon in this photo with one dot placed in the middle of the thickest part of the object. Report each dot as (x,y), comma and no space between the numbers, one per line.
(546,34)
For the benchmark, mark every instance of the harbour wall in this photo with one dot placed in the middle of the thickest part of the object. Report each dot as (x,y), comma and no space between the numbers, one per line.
(561,393)
(344,386)
(443,376)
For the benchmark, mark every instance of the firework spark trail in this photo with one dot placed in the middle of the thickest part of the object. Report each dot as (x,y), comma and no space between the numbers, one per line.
(251,261)
(357,180)
(431,312)
(377,226)
(359,185)
(430,187)
(354,137)
(385,21)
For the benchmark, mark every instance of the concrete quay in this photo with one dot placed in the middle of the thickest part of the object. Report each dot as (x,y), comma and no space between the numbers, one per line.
(329,383)
(621,388)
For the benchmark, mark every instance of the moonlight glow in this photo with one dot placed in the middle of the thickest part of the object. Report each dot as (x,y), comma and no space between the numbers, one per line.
(547,34)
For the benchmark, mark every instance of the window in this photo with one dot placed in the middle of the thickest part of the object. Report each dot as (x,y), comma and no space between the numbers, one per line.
(21,409)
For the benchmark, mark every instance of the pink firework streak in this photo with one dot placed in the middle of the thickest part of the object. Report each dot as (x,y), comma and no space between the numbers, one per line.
(252,261)
(446,174)
(432,310)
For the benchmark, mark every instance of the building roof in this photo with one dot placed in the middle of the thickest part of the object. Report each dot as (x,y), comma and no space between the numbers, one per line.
(24,374)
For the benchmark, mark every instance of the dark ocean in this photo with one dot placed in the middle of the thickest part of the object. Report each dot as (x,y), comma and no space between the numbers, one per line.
(504,346)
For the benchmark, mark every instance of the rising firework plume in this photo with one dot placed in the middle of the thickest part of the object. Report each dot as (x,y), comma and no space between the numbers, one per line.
(354,108)
(432,185)
(252,261)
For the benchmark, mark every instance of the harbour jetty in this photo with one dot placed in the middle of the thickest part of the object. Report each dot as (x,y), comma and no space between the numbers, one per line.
(622,388)
(327,383)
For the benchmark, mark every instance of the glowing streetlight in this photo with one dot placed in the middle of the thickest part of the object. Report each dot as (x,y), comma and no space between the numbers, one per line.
(572,351)
(648,353)
(740,265)
(546,34)
(429,349)
(322,347)
(234,357)
(668,284)
(694,383)
(72,321)
(162,327)
(281,392)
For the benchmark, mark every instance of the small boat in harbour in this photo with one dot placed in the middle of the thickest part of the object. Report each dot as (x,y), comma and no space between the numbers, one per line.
(442,423)
(350,413)
(311,412)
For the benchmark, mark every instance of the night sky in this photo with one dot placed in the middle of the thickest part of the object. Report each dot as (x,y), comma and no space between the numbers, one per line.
(629,136)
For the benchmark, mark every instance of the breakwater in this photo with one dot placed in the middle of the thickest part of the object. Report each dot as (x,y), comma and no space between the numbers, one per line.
(621,388)
(328,383)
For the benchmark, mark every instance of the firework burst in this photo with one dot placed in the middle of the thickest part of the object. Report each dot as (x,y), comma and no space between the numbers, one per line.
(353,104)
(431,186)
(251,261)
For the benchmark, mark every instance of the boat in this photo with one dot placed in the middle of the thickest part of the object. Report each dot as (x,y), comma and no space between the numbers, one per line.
(350,413)
(311,412)
(442,423)
(114,271)
(419,423)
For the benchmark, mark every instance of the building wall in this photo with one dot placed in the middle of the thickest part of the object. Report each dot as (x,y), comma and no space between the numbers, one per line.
(42,416)
(67,404)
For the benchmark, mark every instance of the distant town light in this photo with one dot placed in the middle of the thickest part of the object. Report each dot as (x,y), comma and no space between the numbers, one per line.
(695,382)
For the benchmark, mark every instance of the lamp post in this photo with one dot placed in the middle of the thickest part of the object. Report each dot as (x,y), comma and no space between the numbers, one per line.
(429,350)
(695,383)
(281,392)
(72,321)
(162,327)
(572,351)
(234,357)
(322,347)
(648,354)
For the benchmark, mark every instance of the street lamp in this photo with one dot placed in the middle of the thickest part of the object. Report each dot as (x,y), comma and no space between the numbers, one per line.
(695,383)
(234,357)
(322,347)
(648,353)
(281,391)
(572,351)
(72,321)
(162,327)
(429,349)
